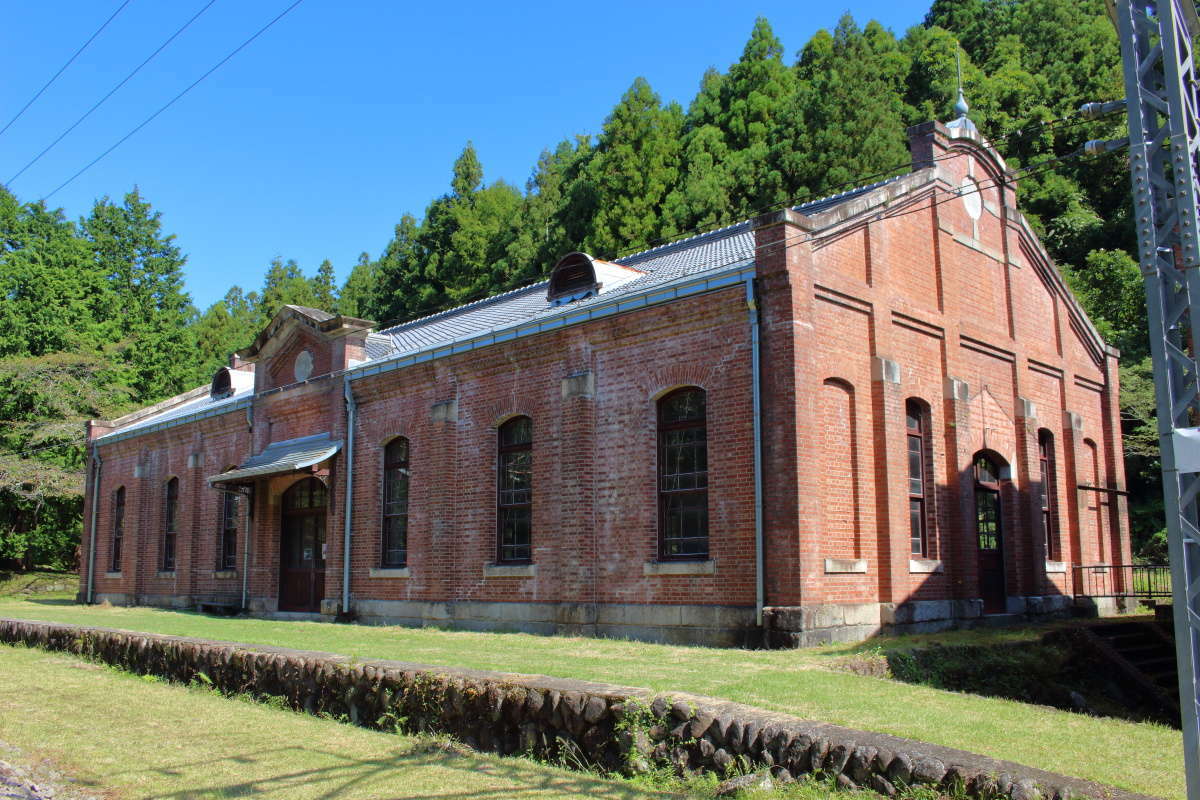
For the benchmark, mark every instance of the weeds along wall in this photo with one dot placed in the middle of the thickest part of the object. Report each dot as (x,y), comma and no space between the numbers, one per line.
(575,723)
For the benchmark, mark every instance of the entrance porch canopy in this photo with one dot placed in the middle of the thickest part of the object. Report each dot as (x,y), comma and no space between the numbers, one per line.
(280,458)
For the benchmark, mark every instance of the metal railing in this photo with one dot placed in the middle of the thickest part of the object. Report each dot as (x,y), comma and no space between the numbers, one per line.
(1151,581)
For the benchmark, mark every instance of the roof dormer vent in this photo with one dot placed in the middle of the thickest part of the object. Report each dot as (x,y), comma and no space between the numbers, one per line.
(573,278)
(222,384)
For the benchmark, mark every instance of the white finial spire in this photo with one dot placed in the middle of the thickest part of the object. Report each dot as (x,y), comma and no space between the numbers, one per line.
(960,106)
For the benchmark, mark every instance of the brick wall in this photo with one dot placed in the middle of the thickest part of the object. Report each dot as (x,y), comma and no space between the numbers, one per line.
(912,295)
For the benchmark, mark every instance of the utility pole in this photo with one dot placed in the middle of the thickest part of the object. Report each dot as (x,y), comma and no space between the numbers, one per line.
(1163,108)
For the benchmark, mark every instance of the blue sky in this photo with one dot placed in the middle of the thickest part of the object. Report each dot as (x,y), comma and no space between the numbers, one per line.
(311,142)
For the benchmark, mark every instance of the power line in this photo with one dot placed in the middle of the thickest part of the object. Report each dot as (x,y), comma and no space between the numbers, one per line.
(111,92)
(63,68)
(174,99)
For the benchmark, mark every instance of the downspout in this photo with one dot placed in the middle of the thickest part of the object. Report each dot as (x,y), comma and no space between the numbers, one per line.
(250,498)
(348,500)
(91,568)
(760,582)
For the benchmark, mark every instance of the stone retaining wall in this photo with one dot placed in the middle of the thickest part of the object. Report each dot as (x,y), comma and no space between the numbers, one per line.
(613,727)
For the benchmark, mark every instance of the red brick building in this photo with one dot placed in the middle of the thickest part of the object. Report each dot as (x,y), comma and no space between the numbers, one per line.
(883,408)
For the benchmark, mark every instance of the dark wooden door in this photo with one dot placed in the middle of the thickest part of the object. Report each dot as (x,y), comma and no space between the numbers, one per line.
(989,541)
(302,547)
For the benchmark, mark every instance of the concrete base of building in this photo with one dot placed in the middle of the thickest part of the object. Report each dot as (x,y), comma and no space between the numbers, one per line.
(722,626)
(112,598)
(806,626)
(1106,606)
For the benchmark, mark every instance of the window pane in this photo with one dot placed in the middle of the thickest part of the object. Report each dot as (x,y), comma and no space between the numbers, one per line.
(916,523)
(516,478)
(682,406)
(987,519)
(397,452)
(913,417)
(916,466)
(395,540)
(685,523)
(515,527)
(516,431)
(985,470)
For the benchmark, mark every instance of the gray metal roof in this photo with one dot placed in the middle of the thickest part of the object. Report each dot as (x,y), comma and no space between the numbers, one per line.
(700,257)
(279,458)
(731,247)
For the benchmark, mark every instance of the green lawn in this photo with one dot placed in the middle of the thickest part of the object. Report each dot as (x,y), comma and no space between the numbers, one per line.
(794,682)
(139,739)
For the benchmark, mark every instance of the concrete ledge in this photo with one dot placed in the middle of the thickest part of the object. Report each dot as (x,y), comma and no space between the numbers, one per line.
(679,567)
(225,573)
(164,574)
(389,572)
(844,566)
(925,566)
(509,570)
(1056,566)
(112,575)
(723,626)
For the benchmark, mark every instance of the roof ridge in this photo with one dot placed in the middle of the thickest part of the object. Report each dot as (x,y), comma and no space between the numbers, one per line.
(466,306)
(866,187)
(725,230)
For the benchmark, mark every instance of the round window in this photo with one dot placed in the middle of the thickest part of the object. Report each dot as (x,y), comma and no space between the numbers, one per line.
(304,366)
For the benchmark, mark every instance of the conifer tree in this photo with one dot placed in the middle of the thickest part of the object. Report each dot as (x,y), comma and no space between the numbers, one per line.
(355,298)
(635,168)
(144,269)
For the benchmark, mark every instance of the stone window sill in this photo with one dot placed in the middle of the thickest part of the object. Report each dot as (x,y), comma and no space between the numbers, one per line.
(389,572)
(679,567)
(509,570)
(845,566)
(113,575)
(225,573)
(1056,566)
(165,574)
(925,566)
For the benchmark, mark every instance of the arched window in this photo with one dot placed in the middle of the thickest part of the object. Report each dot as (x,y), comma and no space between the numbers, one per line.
(514,495)
(227,558)
(573,278)
(918,457)
(1049,499)
(170,521)
(682,475)
(118,530)
(222,384)
(394,552)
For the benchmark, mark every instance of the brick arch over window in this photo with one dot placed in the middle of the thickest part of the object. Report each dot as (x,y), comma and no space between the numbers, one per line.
(394,544)
(514,491)
(841,501)
(170,524)
(118,528)
(920,485)
(683,474)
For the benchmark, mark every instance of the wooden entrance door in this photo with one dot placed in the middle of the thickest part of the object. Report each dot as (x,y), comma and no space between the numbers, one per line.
(989,535)
(302,547)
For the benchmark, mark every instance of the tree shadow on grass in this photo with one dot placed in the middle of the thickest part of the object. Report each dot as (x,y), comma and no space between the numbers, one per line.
(386,777)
